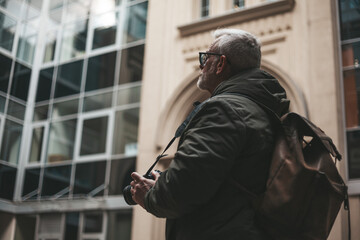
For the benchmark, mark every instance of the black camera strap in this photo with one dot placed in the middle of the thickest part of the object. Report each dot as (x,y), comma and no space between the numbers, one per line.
(179,132)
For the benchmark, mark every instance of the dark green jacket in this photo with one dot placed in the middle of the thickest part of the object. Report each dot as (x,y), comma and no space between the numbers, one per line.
(230,137)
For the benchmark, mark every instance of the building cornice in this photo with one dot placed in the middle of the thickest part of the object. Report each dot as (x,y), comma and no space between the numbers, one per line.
(238,16)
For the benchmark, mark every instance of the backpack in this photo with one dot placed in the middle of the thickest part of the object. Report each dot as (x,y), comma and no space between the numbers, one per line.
(304,190)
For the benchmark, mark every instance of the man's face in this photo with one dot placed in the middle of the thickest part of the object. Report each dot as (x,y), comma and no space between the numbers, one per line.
(207,79)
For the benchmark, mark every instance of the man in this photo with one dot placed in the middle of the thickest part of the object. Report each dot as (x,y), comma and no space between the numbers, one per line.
(229,139)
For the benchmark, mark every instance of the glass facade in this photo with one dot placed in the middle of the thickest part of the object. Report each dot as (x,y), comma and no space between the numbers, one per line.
(70,83)
(350,41)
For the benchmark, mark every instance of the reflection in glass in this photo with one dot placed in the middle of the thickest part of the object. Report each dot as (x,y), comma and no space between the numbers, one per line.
(94,134)
(129,95)
(71,226)
(349,19)
(50,46)
(73,40)
(36,144)
(352,97)
(41,112)
(104,30)
(88,177)
(97,102)
(351,54)
(7,31)
(61,141)
(126,132)
(93,222)
(100,72)
(5,70)
(56,181)
(136,22)
(44,85)
(55,17)
(131,64)
(65,108)
(353,140)
(16,109)
(20,82)
(31,181)
(119,225)
(27,43)
(120,174)
(7,181)
(68,80)
(32,8)
(12,6)
(101,6)
(77,9)
(10,147)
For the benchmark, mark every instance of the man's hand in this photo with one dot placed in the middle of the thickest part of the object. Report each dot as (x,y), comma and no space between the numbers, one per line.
(140,186)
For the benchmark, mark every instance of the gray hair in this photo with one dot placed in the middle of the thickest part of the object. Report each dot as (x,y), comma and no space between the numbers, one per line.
(241,48)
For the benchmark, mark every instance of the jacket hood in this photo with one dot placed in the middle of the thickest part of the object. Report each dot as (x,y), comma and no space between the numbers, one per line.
(258,85)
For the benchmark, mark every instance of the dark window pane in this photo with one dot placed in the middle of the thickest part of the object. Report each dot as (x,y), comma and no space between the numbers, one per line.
(104,29)
(119,225)
(351,54)
(93,222)
(94,136)
(89,176)
(31,181)
(10,146)
(16,109)
(7,181)
(61,141)
(204,8)
(100,72)
(131,64)
(352,97)
(2,103)
(136,22)
(7,31)
(36,145)
(353,140)
(25,227)
(56,181)
(68,80)
(41,112)
(126,132)
(44,84)
(350,19)
(20,82)
(71,226)
(5,70)
(120,174)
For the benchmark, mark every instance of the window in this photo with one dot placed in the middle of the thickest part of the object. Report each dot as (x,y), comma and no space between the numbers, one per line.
(120,174)
(71,226)
(56,181)
(131,64)
(238,3)
(61,141)
(21,81)
(7,181)
(7,31)
(64,108)
(101,70)
(119,225)
(44,84)
(36,145)
(68,80)
(31,183)
(350,36)
(50,46)
(97,101)
(5,70)
(27,42)
(89,178)
(204,8)
(10,147)
(136,22)
(73,40)
(104,29)
(94,132)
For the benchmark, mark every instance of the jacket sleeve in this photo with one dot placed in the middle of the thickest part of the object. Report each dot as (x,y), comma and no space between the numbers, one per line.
(205,156)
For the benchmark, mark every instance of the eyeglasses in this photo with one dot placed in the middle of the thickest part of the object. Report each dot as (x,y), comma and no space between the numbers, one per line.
(204,56)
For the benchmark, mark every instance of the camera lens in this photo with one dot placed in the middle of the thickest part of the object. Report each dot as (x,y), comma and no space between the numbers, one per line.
(127,195)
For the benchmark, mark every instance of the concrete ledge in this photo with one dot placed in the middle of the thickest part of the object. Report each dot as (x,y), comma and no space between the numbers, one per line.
(237,16)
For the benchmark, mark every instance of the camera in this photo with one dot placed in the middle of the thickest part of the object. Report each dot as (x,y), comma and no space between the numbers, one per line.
(127,192)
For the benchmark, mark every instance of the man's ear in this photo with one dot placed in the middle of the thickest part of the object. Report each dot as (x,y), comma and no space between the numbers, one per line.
(221,65)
